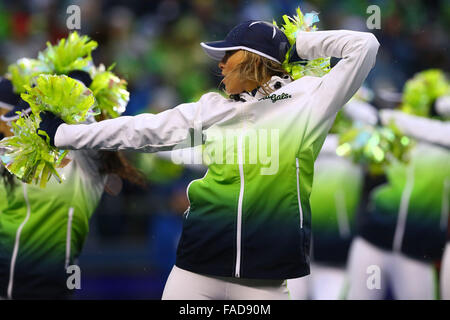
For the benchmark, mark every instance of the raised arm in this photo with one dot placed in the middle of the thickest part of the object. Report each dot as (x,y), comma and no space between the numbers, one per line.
(361,111)
(148,132)
(420,128)
(357,51)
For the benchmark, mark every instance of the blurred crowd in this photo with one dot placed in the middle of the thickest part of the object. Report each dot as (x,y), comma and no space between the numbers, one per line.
(155,47)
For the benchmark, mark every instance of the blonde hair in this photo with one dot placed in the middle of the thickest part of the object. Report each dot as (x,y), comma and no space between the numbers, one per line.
(259,70)
(4,128)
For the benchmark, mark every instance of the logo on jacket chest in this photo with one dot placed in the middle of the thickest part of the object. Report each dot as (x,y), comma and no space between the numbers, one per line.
(276,97)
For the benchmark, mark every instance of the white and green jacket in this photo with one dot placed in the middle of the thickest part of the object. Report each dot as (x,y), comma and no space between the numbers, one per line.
(42,231)
(249,216)
(335,198)
(409,213)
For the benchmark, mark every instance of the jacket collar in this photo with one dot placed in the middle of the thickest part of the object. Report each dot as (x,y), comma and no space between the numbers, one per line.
(274,84)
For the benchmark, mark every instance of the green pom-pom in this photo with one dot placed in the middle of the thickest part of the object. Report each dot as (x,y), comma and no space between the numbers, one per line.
(374,146)
(28,156)
(110,92)
(69,99)
(316,68)
(422,90)
(73,53)
(23,71)
(291,26)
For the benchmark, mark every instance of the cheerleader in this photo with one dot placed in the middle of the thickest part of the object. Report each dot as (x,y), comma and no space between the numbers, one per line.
(248,225)
(42,231)
(401,235)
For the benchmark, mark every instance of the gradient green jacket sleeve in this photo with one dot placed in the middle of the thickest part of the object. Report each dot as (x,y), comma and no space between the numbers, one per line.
(163,131)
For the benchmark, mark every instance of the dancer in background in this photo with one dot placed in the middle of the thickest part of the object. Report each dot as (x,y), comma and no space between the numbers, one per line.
(42,231)
(402,233)
(443,108)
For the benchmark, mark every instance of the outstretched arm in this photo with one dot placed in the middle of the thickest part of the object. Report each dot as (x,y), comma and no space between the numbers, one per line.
(147,132)
(420,128)
(361,111)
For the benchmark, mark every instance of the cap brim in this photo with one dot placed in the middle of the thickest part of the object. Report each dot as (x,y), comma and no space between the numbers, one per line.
(216,50)
(12,115)
(6,106)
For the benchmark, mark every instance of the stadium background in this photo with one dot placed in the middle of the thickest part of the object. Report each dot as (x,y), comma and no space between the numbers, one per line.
(155,45)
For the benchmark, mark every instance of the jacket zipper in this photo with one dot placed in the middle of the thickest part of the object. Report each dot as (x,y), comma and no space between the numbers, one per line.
(298,193)
(69,236)
(403,209)
(237,272)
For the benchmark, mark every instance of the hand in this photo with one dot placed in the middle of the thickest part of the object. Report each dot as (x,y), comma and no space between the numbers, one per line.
(50,123)
(293,56)
(82,76)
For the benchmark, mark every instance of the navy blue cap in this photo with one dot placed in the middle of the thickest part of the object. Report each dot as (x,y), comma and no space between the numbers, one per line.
(260,37)
(11,101)
(82,76)
(8,99)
